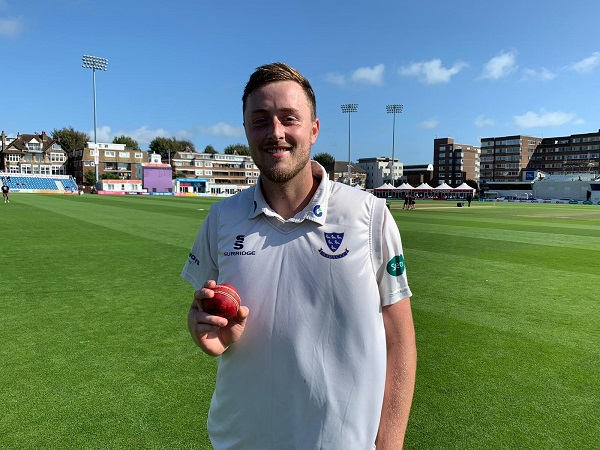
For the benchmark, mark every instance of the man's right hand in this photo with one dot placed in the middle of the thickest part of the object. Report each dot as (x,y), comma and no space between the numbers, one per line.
(214,334)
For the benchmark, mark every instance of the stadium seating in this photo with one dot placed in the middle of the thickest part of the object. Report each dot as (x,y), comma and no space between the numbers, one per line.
(45,183)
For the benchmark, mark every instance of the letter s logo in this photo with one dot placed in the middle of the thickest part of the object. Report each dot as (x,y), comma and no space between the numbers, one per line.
(239,242)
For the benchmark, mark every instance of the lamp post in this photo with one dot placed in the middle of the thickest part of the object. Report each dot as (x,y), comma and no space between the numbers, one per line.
(349,108)
(393,109)
(95,63)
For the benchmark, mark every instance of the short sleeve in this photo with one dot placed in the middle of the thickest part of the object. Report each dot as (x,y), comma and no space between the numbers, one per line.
(390,265)
(201,264)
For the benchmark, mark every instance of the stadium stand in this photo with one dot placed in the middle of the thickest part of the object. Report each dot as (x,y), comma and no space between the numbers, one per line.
(31,183)
(571,177)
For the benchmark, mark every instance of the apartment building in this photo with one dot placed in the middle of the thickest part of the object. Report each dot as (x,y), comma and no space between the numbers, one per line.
(379,171)
(567,154)
(213,172)
(338,171)
(116,159)
(504,158)
(455,163)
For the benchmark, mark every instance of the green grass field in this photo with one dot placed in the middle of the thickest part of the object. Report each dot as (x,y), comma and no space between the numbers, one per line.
(95,353)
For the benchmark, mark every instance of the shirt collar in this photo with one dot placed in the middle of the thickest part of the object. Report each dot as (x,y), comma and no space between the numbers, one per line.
(316,210)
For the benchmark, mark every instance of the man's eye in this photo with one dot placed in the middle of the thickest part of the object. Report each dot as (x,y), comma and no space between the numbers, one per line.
(259,122)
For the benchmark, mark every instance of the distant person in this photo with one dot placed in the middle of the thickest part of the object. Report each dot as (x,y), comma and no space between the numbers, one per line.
(321,354)
(406,202)
(412,202)
(5,192)
(469,199)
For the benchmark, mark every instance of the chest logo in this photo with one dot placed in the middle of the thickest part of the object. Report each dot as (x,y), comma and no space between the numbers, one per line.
(333,241)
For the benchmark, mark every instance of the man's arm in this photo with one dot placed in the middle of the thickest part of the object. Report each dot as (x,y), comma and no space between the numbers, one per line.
(400,374)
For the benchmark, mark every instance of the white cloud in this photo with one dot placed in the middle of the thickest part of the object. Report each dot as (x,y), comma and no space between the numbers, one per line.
(143,135)
(432,72)
(543,74)
(10,27)
(482,121)
(369,75)
(222,129)
(429,123)
(364,75)
(586,65)
(335,78)
(500,66)
(544,119)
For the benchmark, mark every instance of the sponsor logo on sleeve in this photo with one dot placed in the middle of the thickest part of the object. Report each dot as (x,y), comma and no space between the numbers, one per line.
(333,241)
(396,266)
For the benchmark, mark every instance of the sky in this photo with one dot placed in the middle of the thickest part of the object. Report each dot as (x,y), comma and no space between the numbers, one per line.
(177,68)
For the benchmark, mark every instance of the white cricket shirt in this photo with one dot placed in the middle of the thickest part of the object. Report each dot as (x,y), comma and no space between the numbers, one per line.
(309,370)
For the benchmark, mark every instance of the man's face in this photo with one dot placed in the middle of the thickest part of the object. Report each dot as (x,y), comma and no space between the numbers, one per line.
(280,129)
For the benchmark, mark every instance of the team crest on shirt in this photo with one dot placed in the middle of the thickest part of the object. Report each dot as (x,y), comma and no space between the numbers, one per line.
(333,241)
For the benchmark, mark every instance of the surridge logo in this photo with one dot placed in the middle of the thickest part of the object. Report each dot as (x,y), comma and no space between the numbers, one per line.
(333,241)
(238,245)
(239,242)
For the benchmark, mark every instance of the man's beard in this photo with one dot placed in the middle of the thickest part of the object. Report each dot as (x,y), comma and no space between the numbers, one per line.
(279,175)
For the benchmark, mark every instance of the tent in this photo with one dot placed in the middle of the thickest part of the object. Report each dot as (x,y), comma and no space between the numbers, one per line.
(464,188)
(405,187)
(423,187)
(444,188)
(385,187)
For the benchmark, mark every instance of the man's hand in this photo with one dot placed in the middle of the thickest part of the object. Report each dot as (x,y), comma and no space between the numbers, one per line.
(214,334)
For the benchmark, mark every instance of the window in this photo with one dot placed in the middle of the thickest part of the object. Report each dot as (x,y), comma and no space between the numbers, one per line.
(13,158)
(57,157)
(124,154)
(109,154)
(26,168)
(139,155)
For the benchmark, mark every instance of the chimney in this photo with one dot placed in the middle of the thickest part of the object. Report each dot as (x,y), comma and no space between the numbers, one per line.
(3,140)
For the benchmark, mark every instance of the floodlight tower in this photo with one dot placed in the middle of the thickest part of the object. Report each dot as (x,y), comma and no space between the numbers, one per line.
(393,109)
(95,63)
(349,108)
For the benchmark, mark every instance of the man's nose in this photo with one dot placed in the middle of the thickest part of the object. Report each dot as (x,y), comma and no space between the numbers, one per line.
(276,129)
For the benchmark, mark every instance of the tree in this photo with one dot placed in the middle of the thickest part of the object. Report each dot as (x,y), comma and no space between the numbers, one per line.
(109,176)
(129,142)
(325,159)
(70,139)
(239,149)
(90,178)
(166,147)
(473,184)
(210,149)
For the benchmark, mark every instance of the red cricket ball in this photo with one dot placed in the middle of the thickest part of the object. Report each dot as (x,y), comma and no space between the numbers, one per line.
(225,303)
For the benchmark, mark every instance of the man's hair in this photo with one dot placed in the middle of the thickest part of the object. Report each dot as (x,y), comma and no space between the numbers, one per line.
(279,71)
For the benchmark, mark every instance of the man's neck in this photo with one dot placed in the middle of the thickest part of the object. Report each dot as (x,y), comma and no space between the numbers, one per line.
(288,199)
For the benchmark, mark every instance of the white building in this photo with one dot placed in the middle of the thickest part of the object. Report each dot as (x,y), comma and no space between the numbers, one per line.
(379,171)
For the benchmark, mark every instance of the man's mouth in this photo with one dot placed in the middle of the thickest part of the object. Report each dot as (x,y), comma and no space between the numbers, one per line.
(275,150)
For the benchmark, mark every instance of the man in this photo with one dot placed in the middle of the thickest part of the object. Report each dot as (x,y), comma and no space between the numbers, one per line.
(322,355)
(5,191)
